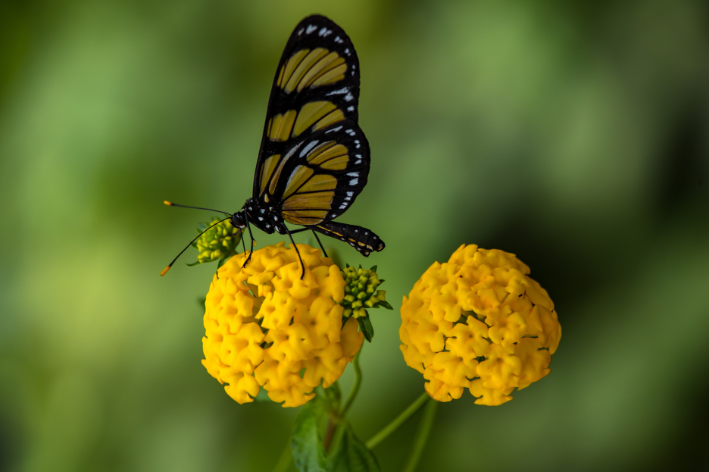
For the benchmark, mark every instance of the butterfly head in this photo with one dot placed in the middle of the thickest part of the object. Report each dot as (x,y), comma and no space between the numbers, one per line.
(238,220)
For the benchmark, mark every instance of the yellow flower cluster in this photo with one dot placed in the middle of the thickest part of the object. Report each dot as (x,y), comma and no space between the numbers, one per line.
(478,322)
(265,327)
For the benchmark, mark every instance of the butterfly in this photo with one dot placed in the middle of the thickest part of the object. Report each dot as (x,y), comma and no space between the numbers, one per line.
(314,158)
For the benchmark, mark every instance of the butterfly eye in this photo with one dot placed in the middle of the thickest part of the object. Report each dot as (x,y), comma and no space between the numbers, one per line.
(237,220)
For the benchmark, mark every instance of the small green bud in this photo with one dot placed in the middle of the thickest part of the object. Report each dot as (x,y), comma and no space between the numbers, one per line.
(361,294)
(218,242)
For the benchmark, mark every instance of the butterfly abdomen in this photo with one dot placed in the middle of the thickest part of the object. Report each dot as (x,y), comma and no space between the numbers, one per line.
(362,239)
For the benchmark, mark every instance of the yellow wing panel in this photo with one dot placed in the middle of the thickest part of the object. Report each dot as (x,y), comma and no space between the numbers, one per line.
(289,66)
(333,117)
(332,76)
(321,153)
(267,170)
(310,114)
(308,61)
(304,217)
(318,183)
(323,66)
(306,68)
(309,201)
(297,178)
(338,163)
(281,126)
(277,174)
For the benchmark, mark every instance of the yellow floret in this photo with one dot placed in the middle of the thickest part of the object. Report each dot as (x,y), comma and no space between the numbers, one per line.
(478,322)
(265,327)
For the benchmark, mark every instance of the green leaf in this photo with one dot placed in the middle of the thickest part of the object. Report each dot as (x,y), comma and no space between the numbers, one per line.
(373,269)
(192,264)
(308,450)
(366,327)
(384,304)
(351,455)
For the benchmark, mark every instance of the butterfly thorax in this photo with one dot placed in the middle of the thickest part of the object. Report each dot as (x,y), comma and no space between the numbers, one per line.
(266,218)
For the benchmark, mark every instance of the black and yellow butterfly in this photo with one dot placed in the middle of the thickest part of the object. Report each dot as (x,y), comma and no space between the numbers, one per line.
(314,158)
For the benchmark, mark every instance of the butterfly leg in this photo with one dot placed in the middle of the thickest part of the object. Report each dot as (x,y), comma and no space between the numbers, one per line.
(295,231)
(296,251)
(252,242)
(321,246)
(242,240)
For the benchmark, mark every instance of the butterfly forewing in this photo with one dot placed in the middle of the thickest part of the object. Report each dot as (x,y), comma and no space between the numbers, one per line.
(315,89)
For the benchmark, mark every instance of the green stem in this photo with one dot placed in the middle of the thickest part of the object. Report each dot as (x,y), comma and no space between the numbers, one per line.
(424,429)
(398,421)
(284,461)
(357,384)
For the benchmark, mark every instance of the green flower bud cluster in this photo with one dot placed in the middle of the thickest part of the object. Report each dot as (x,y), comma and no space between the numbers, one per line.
(360,294)
(217,243)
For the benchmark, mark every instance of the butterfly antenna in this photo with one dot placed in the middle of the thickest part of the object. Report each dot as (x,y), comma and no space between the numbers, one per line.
(195,208)
(164,271)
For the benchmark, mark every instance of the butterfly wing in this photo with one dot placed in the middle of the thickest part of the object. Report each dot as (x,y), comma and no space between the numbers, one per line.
(315,90)
(323,174)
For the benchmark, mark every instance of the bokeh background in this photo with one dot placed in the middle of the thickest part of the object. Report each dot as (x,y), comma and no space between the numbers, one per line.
(573,134)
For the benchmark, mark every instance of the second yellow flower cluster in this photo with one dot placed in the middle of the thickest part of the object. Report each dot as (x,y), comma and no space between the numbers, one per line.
(478,322)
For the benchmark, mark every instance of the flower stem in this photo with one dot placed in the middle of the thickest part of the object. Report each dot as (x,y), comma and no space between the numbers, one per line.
(398,421)
(284,461)
(329,432)
(356,386)
(424,429)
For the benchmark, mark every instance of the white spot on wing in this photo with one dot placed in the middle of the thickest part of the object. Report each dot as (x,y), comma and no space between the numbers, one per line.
(353,182)
(347,51)
(343,206)
(349,194)
(307,148)
(333,130)
(324,32)
(310,29)
(300,31)
(350,132)
(290,153)
(340,92)
(352,174)
(350,108)
(349,97)
(338,39)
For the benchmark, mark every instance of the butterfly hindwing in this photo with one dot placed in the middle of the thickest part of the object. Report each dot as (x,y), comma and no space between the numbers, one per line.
(316,87)
(323,174)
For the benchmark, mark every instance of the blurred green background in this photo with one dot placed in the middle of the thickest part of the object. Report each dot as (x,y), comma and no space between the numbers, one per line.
(573,134)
